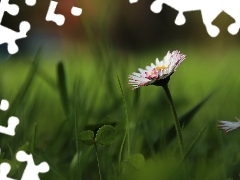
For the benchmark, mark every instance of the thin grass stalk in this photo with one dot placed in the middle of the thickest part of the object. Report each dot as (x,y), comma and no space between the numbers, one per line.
(52,166)
(32,145)
(120,152)
(193,144)
(26,84)
(150,144)
(76,141)
(126,134)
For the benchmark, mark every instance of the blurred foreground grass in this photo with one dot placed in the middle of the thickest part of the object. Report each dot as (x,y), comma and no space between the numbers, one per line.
(94,98)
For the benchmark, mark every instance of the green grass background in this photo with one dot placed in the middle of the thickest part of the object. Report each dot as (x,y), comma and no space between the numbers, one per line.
(94,98)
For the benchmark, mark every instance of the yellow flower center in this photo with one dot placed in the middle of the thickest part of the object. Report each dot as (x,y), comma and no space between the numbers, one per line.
(158,68)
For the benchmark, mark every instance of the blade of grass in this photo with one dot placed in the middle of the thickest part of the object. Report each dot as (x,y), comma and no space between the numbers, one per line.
(62,87)
(126,134)
(32,144)
(193,144)
(187,118)
(26,85)
(52,167)
(77,142)
(46,78)
(11,152)
(146,132)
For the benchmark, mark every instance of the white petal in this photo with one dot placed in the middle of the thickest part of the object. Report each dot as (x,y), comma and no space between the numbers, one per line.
(142,71)
(137,74)
(157,61)
(149,68)
(152,65)
(167,57)
(228,126)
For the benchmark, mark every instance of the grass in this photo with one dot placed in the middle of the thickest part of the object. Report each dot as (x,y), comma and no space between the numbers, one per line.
(52,112)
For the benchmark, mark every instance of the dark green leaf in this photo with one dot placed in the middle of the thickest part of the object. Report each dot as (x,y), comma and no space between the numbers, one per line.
(106,135)
(87,137)
(95,127)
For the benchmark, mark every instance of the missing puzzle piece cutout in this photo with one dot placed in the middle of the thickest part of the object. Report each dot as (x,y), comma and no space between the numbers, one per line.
(4,105)
(7,35)
(31,171)
(12,9)
(12,121)
(210,10)
(10,130)
(4,170)
(76,11)
(30,2)
(59,19)
(133,1)
(11,36)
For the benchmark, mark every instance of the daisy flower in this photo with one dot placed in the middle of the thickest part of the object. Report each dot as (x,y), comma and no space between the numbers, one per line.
(159,73)
(228,126)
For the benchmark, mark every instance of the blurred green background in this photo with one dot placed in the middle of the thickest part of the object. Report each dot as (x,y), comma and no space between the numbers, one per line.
(64,81)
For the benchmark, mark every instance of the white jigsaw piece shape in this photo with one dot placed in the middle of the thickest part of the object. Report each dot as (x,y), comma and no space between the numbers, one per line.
(59,19)
(12,9)
(133,1)
(11,36)
(231,7)
(7,35)
(12,121)
(31,171)
(76,11)
(4,170)
(4,105)
(10,130)
(209,10)
(30,2)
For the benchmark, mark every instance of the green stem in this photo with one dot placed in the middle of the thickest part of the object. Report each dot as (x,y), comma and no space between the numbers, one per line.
(99,171)
(176,121)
